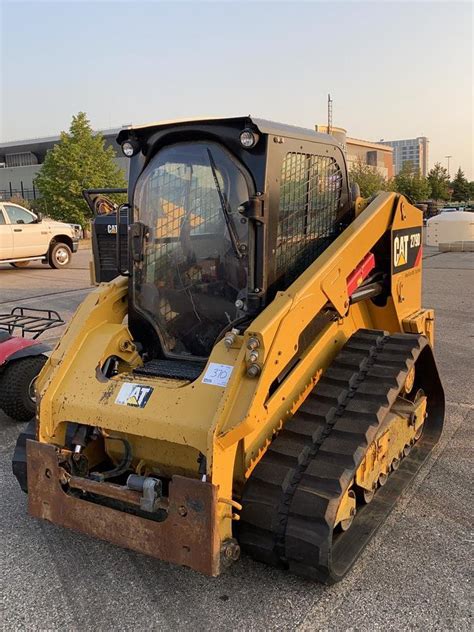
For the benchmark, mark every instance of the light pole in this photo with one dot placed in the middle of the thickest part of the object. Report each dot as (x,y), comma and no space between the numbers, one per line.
(448,157)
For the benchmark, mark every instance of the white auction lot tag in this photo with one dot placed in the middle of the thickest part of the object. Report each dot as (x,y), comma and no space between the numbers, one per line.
(217,374)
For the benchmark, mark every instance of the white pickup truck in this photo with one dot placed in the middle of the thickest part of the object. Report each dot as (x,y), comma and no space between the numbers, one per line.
(25,236)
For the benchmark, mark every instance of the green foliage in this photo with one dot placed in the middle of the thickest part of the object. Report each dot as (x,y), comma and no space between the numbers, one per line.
(461,187)
(368,178)
(36,206)
(409,182)
(438,179)
(17,199)
(79,161)
(471,190)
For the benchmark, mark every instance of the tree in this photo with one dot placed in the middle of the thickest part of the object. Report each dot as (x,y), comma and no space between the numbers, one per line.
(79,161)
(411,183)
(438,179)
(471,190)
(460,187)
(367,177)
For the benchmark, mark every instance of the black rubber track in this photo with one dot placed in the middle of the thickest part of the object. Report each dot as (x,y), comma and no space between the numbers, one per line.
(19,456)
(291,499)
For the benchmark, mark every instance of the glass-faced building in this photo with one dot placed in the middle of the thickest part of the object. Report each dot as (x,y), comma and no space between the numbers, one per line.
(414,150)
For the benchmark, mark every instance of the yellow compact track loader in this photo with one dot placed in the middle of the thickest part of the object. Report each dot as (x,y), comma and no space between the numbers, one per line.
(258,373)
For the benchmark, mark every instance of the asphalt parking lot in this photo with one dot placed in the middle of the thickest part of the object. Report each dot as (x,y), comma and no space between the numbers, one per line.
(415,574)
(39,287)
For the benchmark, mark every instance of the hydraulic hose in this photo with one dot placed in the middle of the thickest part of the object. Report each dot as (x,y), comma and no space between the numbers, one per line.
(121,468)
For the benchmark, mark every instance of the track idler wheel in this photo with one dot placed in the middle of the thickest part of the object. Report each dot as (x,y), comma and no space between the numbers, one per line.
(368,495)
(346,523)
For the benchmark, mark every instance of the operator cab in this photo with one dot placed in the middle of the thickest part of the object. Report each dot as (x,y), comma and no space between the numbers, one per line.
(222,214)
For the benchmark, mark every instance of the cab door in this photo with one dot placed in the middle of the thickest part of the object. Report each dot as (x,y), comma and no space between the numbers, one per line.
(30,237)
(6,236)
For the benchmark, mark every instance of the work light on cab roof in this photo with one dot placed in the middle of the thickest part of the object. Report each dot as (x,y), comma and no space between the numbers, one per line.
(130,147)
(248,138)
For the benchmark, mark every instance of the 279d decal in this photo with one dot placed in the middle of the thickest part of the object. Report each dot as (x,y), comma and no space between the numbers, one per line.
(406,249)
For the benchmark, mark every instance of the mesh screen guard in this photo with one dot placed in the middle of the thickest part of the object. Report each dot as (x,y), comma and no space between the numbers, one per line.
(308,221)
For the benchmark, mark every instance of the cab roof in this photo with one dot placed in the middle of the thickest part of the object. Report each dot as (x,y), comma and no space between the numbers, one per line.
(263,126)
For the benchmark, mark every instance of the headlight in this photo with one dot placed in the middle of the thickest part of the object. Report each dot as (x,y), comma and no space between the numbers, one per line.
(248,138)
(130,147)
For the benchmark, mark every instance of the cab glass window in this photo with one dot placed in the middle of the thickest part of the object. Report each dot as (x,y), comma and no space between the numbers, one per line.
(2,218)
(19,215)
(195,265)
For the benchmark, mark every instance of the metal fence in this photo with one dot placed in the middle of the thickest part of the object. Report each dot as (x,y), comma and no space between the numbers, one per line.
(23,192)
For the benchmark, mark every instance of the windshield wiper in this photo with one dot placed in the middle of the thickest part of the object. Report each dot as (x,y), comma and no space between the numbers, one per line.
(225,210)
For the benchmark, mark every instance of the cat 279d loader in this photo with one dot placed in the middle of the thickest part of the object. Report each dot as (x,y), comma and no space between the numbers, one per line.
(259,375)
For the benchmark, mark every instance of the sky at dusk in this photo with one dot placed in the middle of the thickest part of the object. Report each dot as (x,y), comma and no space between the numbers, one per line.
(394,69)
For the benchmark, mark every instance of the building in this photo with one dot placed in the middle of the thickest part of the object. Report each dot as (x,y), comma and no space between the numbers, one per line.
(21,160)
(414,150)
(373,154)
(376,155)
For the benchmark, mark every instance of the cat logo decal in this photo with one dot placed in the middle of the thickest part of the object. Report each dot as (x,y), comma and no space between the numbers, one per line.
(406,249)
(131,394)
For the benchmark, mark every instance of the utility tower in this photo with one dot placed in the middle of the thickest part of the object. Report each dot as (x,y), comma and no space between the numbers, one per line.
(329,114)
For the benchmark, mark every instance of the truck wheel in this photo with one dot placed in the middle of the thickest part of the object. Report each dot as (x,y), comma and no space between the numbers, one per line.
(59,256)
(17,397)
(20,264)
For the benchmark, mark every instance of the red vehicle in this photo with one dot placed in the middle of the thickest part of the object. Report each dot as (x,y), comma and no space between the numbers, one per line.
(22,358)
